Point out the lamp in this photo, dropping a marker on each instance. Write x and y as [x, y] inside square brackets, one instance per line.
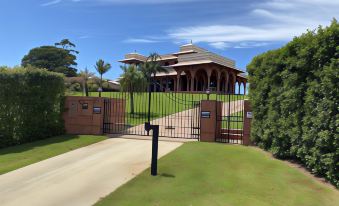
[208, 92]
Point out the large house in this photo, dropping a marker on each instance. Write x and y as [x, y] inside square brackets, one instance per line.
[195, 69]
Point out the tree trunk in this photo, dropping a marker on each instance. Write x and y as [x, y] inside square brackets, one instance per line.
[86, 89]
[100, 85]
[132, 102]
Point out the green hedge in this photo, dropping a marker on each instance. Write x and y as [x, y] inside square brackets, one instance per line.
[295, 94]
[30, 105]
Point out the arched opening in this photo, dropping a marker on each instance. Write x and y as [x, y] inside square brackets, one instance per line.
[214, 81]
[201, 80]
[242, 88]
[170, 85]
[237, 87]
[183, 83]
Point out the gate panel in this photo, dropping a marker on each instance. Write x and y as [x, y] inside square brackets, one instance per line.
[230, 119]
[176, 113]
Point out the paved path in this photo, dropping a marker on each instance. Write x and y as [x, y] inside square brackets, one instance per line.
[181, 123]
[80, 177]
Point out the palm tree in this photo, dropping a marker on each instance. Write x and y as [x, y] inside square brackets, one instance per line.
[86, 75]
[132, 80]
[102, 68]
[152, 66]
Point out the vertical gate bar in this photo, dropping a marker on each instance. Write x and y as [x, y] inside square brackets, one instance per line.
[149, 103]
[180, 113]
[228, 117]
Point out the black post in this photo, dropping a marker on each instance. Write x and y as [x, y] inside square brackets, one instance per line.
[155, 138]
[149, 103]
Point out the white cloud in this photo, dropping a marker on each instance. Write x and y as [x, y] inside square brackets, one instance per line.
[50, 3]
[220, 45]
[136, 40]
[139, 1]
[84, 37]
[275, 21]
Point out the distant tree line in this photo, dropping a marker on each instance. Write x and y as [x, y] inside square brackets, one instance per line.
[294, 93]
[61, 58]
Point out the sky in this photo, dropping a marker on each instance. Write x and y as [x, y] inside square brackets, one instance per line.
[108, 29]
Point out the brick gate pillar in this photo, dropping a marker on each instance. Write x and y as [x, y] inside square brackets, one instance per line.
[247, 122]
[209, 126]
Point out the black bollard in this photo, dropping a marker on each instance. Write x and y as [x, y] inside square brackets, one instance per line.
[155, 139]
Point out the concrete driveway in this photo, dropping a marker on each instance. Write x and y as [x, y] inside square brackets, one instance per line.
[80, 177]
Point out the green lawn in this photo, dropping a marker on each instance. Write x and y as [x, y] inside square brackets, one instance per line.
[218, 174]
[162, 104]
[15, 157]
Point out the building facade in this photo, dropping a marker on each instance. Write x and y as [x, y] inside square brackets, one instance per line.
[194, 69]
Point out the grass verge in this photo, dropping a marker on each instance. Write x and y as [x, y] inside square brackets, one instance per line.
[15, 157]
[218, 174]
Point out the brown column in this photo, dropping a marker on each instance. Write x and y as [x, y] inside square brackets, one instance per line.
[187, 83]
[178, 82]
[209, 73]
[233, 83]
[192, 80]
[244, 88]
[226, 82]
[218, 82]
[174, 84]
[166, 84]
[247, 123]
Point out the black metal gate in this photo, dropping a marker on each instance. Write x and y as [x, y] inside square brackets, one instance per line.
[176, 113]
[230, 120]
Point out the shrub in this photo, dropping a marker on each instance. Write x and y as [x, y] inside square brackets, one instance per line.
[30, 105]
[294, 92]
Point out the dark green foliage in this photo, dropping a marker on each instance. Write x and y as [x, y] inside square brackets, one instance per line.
[30, 105]
[295, 93]
[53, 59]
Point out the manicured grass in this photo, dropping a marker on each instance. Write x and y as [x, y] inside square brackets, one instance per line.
[162, 104]
[218, 174]
[12, 158]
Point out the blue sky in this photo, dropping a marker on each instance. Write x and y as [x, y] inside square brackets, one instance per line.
[107, 29]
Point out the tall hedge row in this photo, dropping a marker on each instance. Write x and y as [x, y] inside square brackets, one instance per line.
[294, 93]
[30, 105]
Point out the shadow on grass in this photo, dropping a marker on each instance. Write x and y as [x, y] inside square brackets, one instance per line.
[167, 175]
[39, 143]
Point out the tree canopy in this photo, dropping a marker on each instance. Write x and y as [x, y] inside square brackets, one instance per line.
[52, 58]
[132, 80]
[152, 66]
[102, 67]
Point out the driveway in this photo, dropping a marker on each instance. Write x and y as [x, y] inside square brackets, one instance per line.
[80, 177]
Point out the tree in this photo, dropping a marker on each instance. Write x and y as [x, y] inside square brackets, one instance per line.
[132, 80]
[51, 58]
[152, 66]
[102, 68]
[67, 45]
[86, 74]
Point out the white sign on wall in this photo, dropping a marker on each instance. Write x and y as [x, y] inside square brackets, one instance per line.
[249, 115]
